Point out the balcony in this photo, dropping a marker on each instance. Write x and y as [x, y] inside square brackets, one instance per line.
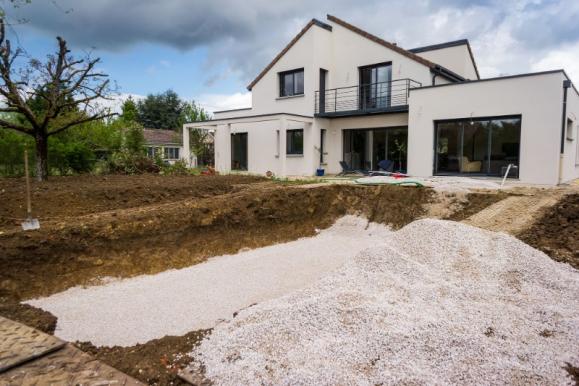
[365, 99]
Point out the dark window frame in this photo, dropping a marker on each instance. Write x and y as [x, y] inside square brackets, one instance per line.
[291, 148]
[436, 122]
[281, 82]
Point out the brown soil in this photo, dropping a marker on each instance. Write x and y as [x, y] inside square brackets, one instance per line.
[32, 316]
[156, 362]
[62, 197]
[155, 238]
[557, 232]
[475, 202]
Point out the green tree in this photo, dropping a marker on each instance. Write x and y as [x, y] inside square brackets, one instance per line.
[192, 112]
[200, 141]
[51, 96]
[161, 111]
[130, 112]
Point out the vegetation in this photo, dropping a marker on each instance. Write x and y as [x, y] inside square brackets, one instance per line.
[50, 97]
[52, 106]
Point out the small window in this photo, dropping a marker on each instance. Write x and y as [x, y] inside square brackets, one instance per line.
[150, 152]
[295, 142]
[171, 153]
[291, 83]
[569, 130]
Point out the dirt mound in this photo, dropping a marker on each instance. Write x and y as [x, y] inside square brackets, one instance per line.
[438, 303]
[156, 362]
[557, 232]
[61, 197]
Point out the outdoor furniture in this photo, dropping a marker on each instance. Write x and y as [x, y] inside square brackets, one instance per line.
[467, 166]
[346, 170]
[386, 165]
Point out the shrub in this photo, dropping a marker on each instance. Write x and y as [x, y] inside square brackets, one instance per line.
[125, 162]
[179, 168]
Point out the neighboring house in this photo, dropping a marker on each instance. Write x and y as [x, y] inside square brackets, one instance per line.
[337, 93]
[166, 144]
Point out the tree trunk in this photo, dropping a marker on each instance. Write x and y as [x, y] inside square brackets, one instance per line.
[41, 157]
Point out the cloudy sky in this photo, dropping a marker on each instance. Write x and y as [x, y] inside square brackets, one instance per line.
[209, 50]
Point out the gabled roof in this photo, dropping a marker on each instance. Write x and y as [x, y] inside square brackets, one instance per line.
[382, 42]
[439, 46]
[433, 66]
[286, 48]
[453, 43]
[161, 137]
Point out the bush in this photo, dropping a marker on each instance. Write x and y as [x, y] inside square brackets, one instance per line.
[70, 157]
[179, 168]
[125, 162]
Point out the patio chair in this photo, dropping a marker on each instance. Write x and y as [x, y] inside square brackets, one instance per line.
[346, 170]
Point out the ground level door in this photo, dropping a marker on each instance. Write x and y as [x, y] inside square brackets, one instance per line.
[239, 151]
[365, 148]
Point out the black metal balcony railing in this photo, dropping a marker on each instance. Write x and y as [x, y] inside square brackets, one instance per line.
[365, 98]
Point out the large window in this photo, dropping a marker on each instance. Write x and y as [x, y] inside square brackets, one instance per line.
[478, 146]
[295, 142]
[291, 83]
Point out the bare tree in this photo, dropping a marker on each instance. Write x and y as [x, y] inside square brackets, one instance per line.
[51, 96]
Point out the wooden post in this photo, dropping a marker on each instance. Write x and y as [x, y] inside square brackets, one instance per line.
[28, 198]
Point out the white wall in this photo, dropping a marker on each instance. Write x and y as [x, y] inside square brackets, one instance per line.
[537, 98]
[570, 162]
[456, 59]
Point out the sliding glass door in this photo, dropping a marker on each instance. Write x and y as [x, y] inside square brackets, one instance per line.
[478, 146]
[365, 148]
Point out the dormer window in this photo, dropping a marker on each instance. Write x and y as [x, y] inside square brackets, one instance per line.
[291, 83]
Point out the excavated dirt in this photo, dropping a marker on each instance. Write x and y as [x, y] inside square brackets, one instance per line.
[62, 197]
[123, 226]
[27, 314]
[557, 232]
[156, 362]
[151, 239]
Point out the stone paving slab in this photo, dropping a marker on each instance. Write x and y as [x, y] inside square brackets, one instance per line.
[20, 343]
[67, 366]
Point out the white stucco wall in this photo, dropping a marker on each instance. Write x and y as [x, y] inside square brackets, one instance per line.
[570, 160]
[537, 98]
[456, 59]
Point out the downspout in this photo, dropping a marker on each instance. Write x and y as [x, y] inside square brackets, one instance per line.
[434, 75]
[566, 85]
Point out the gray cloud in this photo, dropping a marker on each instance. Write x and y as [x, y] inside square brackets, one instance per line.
[507, 36]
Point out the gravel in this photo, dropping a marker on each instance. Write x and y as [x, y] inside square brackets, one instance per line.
[136, 310]
[442, 184]
[437, 302]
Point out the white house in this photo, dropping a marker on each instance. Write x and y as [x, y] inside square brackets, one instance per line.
[166, 144]
[336, 94]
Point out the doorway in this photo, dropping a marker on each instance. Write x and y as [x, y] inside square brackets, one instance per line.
[365, 148]
[375, 86]
[239, 151]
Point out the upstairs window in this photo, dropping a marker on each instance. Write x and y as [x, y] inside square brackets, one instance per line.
[295, 142]
[291, 83]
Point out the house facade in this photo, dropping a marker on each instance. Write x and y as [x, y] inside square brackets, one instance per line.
[166, 144]
[337, 95]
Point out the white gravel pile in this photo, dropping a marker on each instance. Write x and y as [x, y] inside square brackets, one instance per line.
[439, 302]
[136, 310]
